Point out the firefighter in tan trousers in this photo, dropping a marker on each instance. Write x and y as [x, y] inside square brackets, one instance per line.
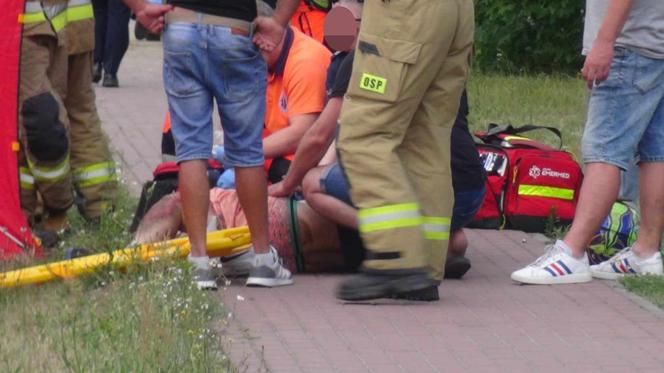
[43, 123]
[410, 67]
[55, 96]
[93, 169]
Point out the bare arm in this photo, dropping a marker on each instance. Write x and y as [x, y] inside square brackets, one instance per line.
[269, 30]
[312, 147]
[285, 141]
[151, 16]
[598, 63]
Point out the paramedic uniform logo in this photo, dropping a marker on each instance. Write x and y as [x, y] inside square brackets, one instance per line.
[535, 172]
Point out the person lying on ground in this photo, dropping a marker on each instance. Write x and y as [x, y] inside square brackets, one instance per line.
[305, 240]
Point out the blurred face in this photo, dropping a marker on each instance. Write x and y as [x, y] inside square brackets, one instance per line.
[342, 24]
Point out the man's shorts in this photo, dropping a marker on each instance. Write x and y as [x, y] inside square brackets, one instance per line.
[203, 63]
[333, 182]
[626, 113]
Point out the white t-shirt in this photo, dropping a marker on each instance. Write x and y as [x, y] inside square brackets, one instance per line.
[643, 31]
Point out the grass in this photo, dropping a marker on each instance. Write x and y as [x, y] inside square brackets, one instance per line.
[651, 287]
[147, 318]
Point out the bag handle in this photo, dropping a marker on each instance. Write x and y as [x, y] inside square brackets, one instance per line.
[495, 129]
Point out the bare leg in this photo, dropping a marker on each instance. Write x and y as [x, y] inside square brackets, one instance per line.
[330, 207]
[252, 191]
[458, 244]
[598, 193]
[162, 221]
[652, 209]
[195, 199]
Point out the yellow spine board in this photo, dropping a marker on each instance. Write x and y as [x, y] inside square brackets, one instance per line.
[220, 243]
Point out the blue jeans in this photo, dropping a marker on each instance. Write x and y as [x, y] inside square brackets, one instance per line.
[205, 62]
[626, 113]
[333, 182]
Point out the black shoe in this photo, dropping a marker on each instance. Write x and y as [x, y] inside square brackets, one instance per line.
[456, 267]
[373, 284]
[110, 80]
[48, 238]
[429, 294]
[76, 252]
[96, 72]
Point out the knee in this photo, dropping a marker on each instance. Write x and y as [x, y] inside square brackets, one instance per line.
[46, 134]
[311, 184]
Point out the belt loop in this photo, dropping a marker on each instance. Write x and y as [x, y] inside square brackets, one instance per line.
[199, 16]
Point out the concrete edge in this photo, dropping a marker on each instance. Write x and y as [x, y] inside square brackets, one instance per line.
[638, 299]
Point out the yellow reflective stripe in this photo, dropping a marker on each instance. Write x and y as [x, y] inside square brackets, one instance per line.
[28, 18]
[26, 178]
[94, 174]
[546, 191]
[54, 173]
[388, 209]
[79, 13]
[436, 227]
[390, 224]
[389, 217]
[59, 22]
[439, 236]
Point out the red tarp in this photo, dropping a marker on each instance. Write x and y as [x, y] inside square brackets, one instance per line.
[13, 225]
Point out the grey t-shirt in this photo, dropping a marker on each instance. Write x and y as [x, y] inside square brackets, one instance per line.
[643, 31]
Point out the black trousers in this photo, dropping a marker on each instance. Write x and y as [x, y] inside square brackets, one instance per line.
[111, 33]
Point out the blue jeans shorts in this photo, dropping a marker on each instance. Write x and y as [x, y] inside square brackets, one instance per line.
[466, 202]
[206, 63]
[626, 113]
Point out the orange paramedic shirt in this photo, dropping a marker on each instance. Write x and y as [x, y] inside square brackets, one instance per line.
[310, 21]
[297, 84]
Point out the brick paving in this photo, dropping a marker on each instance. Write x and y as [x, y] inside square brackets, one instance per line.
[483, 322]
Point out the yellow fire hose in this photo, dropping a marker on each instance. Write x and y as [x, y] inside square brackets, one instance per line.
[220, 243]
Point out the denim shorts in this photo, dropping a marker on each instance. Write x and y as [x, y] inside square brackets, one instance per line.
[626, 113]
[206, 63]
[466, 202]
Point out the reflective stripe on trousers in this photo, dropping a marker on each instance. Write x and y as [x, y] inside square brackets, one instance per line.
[58, 14]
[52, 173]
[94, 174]
[26, 179]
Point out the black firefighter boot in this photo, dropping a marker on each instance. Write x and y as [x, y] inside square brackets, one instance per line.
[410, 284]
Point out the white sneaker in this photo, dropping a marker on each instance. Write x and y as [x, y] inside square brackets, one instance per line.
[269, 272]
[626, 262]
[554, 267]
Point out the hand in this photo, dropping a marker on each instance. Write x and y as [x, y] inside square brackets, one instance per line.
[268, 34]
[279, 190]
[598, 63]
[151, 16]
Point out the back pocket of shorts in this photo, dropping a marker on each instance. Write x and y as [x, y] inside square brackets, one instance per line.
[243, 70]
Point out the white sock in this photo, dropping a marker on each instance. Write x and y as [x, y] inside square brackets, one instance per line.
[200, 262]
[566, 249]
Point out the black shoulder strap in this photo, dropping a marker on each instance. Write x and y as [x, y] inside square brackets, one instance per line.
[495, 129]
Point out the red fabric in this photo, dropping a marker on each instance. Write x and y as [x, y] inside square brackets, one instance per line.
[11, 217]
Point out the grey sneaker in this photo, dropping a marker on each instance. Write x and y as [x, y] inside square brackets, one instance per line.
[271, 274]
[238, 264]
[204, 279]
